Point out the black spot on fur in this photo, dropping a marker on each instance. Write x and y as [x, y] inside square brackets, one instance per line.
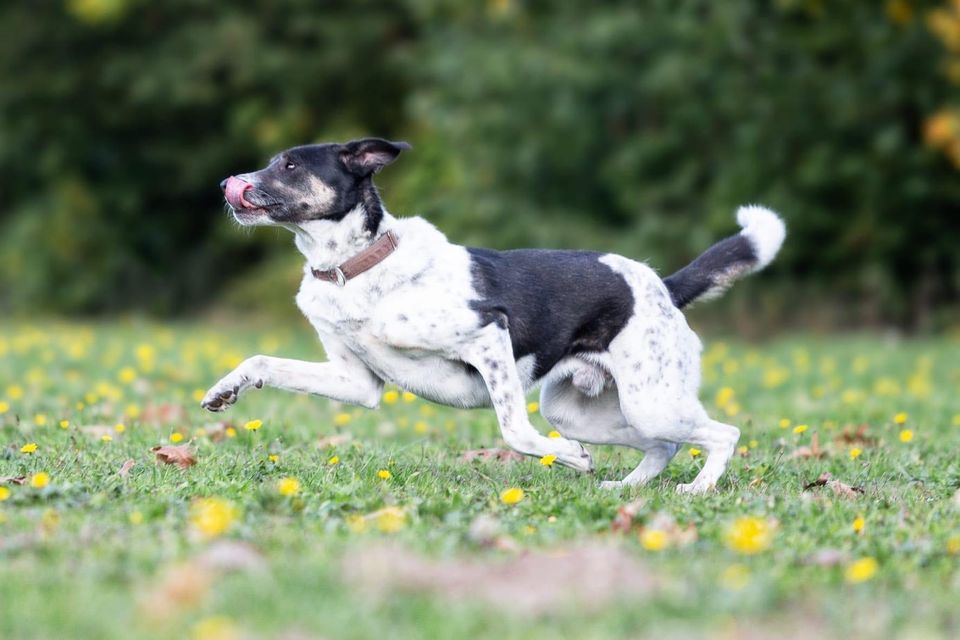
[698, 277]
[555, 303]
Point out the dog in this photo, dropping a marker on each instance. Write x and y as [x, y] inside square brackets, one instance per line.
[393, 300]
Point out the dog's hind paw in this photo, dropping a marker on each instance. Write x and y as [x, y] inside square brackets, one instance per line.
[610, 485]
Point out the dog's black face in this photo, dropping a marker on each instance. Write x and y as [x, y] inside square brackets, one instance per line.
[313, 182]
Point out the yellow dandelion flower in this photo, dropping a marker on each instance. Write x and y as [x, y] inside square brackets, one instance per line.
[333, 460]
[953, 545]
[533, 407]
[253, 425]
[212, 517]
[341, 419]
[906, 435]
[106, 438]
[785, 423]
[408, 397]
[28, 448]
[132, 411]
[135, 517]
[40, 419]
[231, 432]
[694, 452]
[127, 375]
[288, 487]
[861, 570]
[513, 495]
[858, 524]
[216, 628]
[554, 435]
[383, 474]
[743, 450]
[389, 519]
[198, 395]
[14, 392]
[749, 535]
[800, 428]
[64, 424]
[548, 460]
[901, 418]
[955, 421]
[753, 444]
[724, 397]
[274, 458]
[420, 426]
[4, 493]
[391, 397]
[176, 437]
[80, 406]
[855, 453]
[4, 406]
[39, 480]
[654, 539]
[119, 427]
[735, 577]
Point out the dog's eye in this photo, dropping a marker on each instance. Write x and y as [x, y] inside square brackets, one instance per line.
[289, 166]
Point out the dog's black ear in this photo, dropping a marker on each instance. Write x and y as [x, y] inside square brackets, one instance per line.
[368, 155]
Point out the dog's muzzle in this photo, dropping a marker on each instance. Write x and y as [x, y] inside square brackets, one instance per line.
[233, 190]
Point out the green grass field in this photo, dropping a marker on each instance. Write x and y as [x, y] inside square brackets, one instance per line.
[274, 533]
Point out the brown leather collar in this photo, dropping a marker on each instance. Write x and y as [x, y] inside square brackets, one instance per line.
[366, 259]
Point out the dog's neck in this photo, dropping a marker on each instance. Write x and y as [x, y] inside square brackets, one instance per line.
[329, 243]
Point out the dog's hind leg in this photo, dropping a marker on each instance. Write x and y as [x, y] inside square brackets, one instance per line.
[719, 440]
[491, 354]
[655, 459]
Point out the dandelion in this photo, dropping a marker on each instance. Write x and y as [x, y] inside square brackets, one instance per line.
[253, 425]
[40, 419]
[861, 570]
[408, 397]
[119, 427]
[132, 411]
[735, 577]
[391, 397]
[955, 421]
[106, 438]
[513, 495]
[383, 474]
[4, 406]
[858, 524]
[39, 480]
[654, 539]
[554, 435]
[743, 450]
[724, 397]
[906, 435]
[749, 535]
[288, 487]
[231, 432]
[785, 423]
[341, 419]
[753, 444]
[212, 517]
[420, 426]
[28, 448]
[274, 458]
[197, 395]
[694, 452]
[533, 407]
[127, 375]
[855, 453]
[176, 437]
[953, 545]
[333, 460]
[900, 418]
[4, 493]
[215, 628]
[389, 519]
[135, 518]
[14, 392]
[548, 460]
[800, 428]
[64, 424]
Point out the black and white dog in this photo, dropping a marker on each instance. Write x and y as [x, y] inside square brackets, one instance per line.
[393, 300]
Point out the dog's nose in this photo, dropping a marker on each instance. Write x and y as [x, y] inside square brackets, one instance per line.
[223, 184]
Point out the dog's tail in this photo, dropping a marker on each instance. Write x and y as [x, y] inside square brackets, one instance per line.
[732, 258]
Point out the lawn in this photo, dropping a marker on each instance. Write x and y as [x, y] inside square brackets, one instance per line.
[302, 518]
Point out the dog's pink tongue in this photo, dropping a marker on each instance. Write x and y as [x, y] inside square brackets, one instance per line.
[234, 191]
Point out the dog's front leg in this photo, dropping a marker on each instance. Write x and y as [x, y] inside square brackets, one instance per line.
[344, 378]
[491, 354]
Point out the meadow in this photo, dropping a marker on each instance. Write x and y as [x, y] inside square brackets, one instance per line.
[127, 511]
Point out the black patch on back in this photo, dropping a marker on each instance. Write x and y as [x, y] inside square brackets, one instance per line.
[699, 276]
[555, 303]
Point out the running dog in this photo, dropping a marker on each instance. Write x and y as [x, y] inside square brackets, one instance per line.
[394, 301]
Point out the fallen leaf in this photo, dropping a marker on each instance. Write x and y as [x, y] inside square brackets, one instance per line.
[334, 440]
[125, 469]
[839, 488]
[13, 479]
[216, 431]
[623, 521]
[849, 437]
[500, 455]
[813, 451]
[179, 455]
[163, 412]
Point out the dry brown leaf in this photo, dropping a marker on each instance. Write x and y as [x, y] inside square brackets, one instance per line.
[499, 455]
[588, 576]
[813, 451]
[839, 488]
[334, 440]
[216, 431]
[13, 479]
[859, 438]
[164, 412]
[125, 469]
[623, 521]
[179, 454]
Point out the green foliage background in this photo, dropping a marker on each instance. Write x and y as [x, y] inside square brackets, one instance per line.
[632, 127]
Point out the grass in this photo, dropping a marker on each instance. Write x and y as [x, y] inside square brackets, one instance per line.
[96, 555]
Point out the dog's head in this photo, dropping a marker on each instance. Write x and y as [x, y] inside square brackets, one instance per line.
[313, 182]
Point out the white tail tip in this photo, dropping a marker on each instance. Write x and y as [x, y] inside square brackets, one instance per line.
[765, 230]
